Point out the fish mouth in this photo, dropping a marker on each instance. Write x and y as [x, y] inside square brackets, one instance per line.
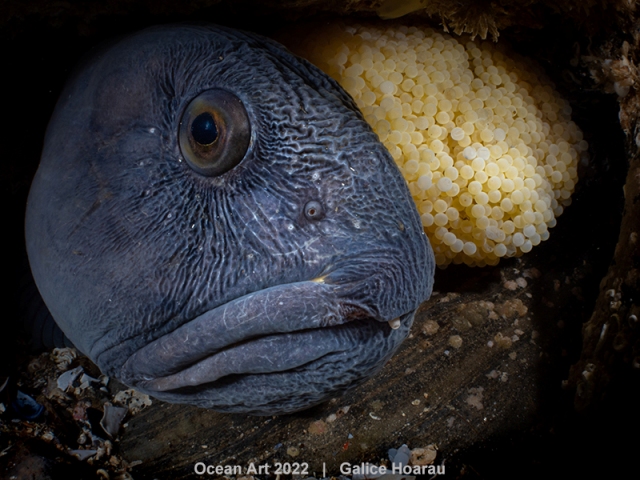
[272, 341]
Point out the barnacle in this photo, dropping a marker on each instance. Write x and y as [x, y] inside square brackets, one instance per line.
[484, 141]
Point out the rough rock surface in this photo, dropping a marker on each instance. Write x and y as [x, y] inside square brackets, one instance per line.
[610, 358]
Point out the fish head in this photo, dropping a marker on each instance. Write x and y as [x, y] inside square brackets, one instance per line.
[214, 223]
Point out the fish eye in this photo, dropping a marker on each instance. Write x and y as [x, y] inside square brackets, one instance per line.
[214, 132]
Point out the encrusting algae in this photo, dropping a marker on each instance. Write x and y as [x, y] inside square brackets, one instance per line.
[485, 143]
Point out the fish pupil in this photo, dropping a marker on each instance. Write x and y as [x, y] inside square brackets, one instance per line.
[204, 130]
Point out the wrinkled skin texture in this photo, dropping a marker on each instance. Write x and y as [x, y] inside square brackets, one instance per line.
[219, 291]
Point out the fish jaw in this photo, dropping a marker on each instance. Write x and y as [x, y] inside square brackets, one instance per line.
[268, 352]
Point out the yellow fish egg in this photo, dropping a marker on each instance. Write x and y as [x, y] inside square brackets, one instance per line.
[482, 135]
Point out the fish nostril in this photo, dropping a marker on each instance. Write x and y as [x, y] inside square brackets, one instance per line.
[313, 210]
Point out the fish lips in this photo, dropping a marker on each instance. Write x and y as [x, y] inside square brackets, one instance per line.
[276, 350]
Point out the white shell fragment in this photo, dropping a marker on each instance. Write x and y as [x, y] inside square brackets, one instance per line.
[112, 419]
[82, 454]
[86, 380]
[67, 378]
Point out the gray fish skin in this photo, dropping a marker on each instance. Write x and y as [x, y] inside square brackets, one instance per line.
[219, 291]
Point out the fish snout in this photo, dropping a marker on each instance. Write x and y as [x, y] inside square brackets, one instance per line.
[384, 274]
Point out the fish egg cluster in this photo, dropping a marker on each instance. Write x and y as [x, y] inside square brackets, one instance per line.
[485, 143]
